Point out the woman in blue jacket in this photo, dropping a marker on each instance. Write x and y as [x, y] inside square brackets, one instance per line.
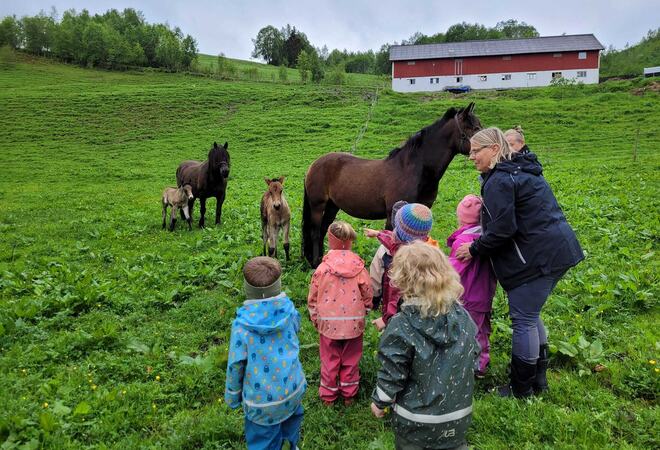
[530, 244]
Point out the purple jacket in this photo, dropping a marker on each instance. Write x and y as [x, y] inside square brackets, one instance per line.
[477, 276]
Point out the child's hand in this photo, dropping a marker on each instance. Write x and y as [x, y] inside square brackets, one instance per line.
[379, 323]
[377, 412]
[368, 232]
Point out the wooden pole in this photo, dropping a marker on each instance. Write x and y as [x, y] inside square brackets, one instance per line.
[636, 144]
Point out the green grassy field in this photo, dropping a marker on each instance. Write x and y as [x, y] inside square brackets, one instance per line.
[267, 73]
[113, 333]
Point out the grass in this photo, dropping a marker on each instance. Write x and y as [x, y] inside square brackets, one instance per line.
[113, 333]
[268, 73]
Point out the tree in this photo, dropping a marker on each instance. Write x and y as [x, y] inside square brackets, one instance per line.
[269, 45]
[512, 29]
[189, 51]
[294, 42]
[382, 64]
[168, 50]
[94, 44]
[10, 32]
[304, 65]
[38, 33]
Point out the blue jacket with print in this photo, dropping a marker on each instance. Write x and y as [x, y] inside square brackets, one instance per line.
[263, 370]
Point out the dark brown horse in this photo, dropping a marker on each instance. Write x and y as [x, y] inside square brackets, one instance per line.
[367, 189]
[208, 179]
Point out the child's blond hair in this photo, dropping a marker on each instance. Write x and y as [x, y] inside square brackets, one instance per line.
[424, 275]
[342, 231]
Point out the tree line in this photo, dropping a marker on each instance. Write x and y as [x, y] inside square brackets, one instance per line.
[290, 47]
[112, 40]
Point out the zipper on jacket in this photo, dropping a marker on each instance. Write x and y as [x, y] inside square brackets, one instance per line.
[515, 244]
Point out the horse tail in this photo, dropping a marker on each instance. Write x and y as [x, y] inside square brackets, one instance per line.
[306, 248]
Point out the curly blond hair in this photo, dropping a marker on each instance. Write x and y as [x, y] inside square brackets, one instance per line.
[424, 276]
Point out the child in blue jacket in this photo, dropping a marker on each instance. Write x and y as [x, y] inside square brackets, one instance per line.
[263, 370]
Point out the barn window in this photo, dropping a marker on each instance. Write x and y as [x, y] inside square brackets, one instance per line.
[531, 76]
[411, 63]
[506, 58]
[437, 80]
[431, 80]
[506, 76]
[459, 79]
[411, 80]
[483, 78]
[582, 55]
[582, 74]
[556, 55]
[556, 75]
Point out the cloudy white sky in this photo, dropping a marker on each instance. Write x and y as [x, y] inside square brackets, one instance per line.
[229, 26]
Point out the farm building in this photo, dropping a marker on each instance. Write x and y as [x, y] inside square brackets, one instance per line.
[495, 64]
[652, 71]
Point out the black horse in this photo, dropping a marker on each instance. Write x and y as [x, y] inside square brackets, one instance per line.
[208, 179]
[367, 189]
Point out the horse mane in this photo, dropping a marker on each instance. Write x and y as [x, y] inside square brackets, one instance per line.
[416, 140]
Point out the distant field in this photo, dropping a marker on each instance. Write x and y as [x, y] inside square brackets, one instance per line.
[271, 73]
[113, 333]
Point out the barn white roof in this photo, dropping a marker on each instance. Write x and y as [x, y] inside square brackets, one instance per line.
[547, 44]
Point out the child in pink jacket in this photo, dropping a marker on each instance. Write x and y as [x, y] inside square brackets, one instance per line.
[477, 276]
[340, 297]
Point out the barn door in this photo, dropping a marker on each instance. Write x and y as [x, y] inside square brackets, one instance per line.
[458, 67]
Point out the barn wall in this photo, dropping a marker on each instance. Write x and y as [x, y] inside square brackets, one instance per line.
[495, 64]
[493, 81]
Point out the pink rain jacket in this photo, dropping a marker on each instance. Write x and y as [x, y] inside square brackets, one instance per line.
[340, 295]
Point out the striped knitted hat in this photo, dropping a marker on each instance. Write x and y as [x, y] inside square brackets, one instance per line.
[413, 222]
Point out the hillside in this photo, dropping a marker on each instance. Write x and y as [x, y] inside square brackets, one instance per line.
[113, 333]
[632, 60]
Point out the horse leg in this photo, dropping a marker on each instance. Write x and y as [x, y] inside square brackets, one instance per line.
[173, 218]
[187, 216]
[329, 214]
[202, 211]
[286, 239]
[272, 240]
[164, 215]
[264, 235]
[219, 200]
[316, 217]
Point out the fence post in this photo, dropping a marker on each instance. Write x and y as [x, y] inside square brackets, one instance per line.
[636, 144]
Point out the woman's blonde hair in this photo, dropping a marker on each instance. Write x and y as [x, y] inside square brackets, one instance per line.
[424, 276]
[492, 136]
[342, 231]
[516, 132]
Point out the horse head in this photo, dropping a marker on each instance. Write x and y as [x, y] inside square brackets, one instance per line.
[466, 124]
[275, 190]
[187, 190]
[219, 160]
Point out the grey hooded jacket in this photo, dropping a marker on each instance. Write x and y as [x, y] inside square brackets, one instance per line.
[427, 375]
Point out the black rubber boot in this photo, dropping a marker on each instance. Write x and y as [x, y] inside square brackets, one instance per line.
[541, 381]
[522, 379]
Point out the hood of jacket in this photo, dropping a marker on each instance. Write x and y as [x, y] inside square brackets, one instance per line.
[266, 316]
[525, 162]
[343, 263]
[472, 229]
[444, 329]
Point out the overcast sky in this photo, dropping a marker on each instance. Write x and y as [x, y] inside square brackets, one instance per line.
[229, 26]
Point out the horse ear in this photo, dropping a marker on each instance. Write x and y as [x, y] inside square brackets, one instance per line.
[470, 108]
[267, 180]
[226, 145]
[215, 145]
[281, 180]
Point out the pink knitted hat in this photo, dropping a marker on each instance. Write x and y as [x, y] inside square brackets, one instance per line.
[469, 210]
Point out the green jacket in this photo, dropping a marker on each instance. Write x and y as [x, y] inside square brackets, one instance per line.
[427, 375]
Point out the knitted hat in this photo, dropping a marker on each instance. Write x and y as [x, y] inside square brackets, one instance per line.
[412, 222]
[469, 210]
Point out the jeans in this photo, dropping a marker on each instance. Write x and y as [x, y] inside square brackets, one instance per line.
[525, 303]
[272, 437]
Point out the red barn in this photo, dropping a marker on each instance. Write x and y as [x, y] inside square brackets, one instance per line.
[495, 64]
